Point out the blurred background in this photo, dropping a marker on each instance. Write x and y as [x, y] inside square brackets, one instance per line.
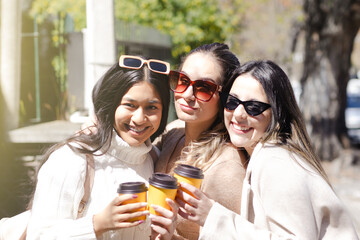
[52, 52]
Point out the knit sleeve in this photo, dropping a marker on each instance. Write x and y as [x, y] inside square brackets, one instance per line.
[289, 201]
[59, 190]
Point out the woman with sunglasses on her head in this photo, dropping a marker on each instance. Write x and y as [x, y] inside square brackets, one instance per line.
[131, 105]
[197, 138]
[286, 193]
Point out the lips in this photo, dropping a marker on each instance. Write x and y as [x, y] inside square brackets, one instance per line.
[240, 129]
[186, 108]
[136, 130]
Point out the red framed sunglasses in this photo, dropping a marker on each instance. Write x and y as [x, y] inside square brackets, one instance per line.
[203, 90]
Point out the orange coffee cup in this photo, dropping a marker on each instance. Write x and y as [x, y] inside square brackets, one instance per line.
[161, 186]
[137, 188]
[189, 174]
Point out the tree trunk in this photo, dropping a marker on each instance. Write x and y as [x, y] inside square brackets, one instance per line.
[330, 30]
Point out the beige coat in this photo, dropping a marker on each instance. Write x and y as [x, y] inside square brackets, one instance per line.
[282, 199]
[222, 181]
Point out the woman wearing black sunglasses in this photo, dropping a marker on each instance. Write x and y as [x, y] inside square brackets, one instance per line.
[198, 137]
[286, 193]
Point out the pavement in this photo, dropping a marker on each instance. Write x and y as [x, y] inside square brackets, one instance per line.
[344, 175]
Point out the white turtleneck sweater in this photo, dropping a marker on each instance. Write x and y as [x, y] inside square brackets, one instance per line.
[60, 188]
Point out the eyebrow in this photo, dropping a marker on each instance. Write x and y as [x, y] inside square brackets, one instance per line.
[151, 101]
[252, 99]
[204, 78]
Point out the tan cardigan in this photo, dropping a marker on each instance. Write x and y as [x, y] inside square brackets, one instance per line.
[222, 181]
[283, 198]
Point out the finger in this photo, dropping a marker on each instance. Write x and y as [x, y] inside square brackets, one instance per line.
[128, 224]
[180, 198]
[161, 221]
[185, 208]
[195, 191]
[127, 217]
[184, 214]
[159, 229]
[130, 215]
[163, 211]
[174, 207]
[121, 198]
[131, 207]
[187, 198]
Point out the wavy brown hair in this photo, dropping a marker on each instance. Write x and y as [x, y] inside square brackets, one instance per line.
[203, 151]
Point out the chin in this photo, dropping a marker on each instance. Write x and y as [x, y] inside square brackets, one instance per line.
[238, 142]
[135, 143]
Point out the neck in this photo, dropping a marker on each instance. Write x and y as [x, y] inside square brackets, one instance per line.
[194, 130]
[249, 150]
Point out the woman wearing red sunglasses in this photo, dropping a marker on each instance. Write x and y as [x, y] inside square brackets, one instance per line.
[198, 137]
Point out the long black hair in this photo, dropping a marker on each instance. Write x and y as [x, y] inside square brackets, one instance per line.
[287, 128]
[107, 94]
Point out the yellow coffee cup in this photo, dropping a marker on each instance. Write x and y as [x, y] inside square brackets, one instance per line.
[161, 186]
[137, 188]
[189, 174]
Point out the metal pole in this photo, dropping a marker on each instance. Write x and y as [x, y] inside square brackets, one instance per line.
[37, 74]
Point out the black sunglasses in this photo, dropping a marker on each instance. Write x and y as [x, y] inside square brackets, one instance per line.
[203, 90]
[253, 108]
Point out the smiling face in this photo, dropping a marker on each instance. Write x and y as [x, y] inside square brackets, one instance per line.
[188, 108]
[139, 113]
[245, 130]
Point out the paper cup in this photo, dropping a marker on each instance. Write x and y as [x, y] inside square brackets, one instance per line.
[189, 174]
[161, 186]
[137, 188]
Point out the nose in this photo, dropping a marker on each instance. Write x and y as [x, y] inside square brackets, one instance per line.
[189, 93]
[239, 112]
[139, 116]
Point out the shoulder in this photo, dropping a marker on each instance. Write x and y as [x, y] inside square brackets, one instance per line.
[229, 163]
[175, 129]
[176, 124]
[173, 132]
[64, 161]
[228, 156]
[281, 169]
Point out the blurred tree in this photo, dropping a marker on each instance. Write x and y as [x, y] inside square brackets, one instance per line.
[190, 23]
[60, 12]
[330, 28]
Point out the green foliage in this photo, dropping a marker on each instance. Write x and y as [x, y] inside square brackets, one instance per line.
[190, 23]
[60, 12]
[76, 9]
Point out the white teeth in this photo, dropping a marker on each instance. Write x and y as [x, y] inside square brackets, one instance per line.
[240, 128]
[136, 129]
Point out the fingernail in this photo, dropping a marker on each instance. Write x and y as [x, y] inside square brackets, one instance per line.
[134, 196]
[140, 221]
